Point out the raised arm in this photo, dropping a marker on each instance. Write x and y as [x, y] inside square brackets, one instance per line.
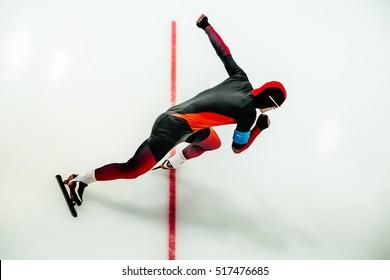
[219, 45]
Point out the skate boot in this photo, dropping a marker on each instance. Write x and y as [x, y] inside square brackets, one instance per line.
[76, 189]
[172, 162]
[166, 164]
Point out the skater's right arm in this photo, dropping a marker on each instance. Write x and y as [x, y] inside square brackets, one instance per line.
[263, 122]
[219, 45]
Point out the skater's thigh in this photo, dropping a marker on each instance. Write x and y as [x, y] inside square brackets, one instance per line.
[160, 147]
[198, 136]
[167, 132]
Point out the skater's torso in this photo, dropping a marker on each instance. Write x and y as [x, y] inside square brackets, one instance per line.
[229, 102]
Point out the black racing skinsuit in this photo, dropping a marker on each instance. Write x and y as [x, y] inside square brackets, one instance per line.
[229, 102]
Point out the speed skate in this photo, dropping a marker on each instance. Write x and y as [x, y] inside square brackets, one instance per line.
[66, 195]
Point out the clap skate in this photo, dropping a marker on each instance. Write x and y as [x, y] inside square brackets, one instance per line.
[66, 195]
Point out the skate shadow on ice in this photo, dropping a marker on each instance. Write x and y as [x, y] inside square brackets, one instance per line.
[254, 221]
[202, 208]
[125, 206]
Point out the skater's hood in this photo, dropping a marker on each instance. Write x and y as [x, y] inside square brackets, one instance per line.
[269, 94]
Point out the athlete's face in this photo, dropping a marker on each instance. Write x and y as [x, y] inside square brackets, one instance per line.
[267, 109]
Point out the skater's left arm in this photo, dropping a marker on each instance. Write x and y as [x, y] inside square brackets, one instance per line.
[242, 140]
[219, 46]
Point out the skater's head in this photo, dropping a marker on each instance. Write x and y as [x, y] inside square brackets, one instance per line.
[270, 96]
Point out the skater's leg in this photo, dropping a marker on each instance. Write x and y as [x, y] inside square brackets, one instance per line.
[200, 142]
[147, 155]
[166, 134]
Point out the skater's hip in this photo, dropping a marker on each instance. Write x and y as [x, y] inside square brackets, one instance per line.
[171, 128]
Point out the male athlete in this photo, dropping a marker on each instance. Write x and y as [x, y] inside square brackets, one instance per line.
[234, 101]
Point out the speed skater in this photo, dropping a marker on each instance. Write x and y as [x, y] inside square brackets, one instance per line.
[234, 101]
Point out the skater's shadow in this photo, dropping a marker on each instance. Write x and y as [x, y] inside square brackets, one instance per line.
[260, 224]
[125, 207]
[203, 208]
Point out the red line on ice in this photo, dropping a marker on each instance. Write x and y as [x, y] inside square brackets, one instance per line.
[172, 173]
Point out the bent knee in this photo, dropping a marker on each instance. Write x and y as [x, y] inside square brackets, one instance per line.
[214, 141]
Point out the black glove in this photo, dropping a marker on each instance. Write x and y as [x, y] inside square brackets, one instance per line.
[262, 122]
[203, 23]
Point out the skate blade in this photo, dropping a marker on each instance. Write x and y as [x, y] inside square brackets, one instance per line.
[71, 204]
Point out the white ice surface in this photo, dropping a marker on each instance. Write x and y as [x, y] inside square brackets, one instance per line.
[81, 83]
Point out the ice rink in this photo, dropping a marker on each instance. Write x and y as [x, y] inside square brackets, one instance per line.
[81, 83]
